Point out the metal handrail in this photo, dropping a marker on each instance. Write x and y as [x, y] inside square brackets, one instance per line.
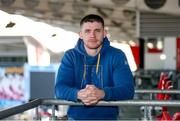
[19, 109]
[116, 103]
[35, 103]
[172, 91]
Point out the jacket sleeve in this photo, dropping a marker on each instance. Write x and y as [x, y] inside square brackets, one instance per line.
[64, 88]
[123, 83]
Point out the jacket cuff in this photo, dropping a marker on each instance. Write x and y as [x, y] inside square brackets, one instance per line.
[75, 95]
[107, 94]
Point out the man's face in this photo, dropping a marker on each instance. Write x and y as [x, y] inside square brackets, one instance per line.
[92, 34]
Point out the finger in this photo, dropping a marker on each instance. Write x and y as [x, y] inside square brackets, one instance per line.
[82, 94]
[82, 90]
[91, 87]
[91, 102]
[90, 99]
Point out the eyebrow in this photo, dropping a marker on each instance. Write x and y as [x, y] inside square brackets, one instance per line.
[94, 29]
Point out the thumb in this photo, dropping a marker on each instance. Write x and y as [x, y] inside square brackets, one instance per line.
[88, 86]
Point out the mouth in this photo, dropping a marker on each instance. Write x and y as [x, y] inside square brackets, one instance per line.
[92, 40]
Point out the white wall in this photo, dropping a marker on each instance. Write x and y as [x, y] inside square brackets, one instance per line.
[170, 52]
[153, 61]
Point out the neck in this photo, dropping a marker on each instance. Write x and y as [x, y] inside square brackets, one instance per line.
[93, 52]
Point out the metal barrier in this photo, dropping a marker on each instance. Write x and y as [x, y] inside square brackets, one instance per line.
[172, 103]
[37, 102]
[19, 109]
[154, 91]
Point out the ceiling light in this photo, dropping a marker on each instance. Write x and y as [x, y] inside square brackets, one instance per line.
[162, 56]
[150, 45]
[159, 44]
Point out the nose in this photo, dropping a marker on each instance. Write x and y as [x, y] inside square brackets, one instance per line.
[92, 34]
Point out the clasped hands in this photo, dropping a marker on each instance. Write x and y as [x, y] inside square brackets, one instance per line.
[90, 95]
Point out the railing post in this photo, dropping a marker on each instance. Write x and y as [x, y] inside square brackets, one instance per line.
[38, 117]
[53, 116]
[150, 108]
[145, 118]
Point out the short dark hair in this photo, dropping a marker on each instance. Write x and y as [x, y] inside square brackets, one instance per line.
[92, 18]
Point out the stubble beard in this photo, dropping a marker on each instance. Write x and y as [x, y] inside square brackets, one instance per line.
[93, 48]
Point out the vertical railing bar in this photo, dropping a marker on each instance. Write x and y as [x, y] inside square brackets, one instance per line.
[38, 116]
[150, 108]
[53, 116]
[145, 113]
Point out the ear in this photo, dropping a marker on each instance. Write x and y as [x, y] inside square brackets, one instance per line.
[80, 35]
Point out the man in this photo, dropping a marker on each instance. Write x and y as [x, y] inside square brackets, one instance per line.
[94, 71]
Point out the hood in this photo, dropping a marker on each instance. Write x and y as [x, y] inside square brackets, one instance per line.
[80, 46]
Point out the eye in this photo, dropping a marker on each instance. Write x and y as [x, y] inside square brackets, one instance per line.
[98, 30]
[87, 31]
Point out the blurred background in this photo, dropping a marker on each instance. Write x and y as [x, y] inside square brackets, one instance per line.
[34, 34]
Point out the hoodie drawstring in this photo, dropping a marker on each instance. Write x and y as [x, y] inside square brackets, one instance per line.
[97, 64]
[97, 67]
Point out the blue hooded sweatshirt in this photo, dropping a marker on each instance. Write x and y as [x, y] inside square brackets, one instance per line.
[113, 76]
